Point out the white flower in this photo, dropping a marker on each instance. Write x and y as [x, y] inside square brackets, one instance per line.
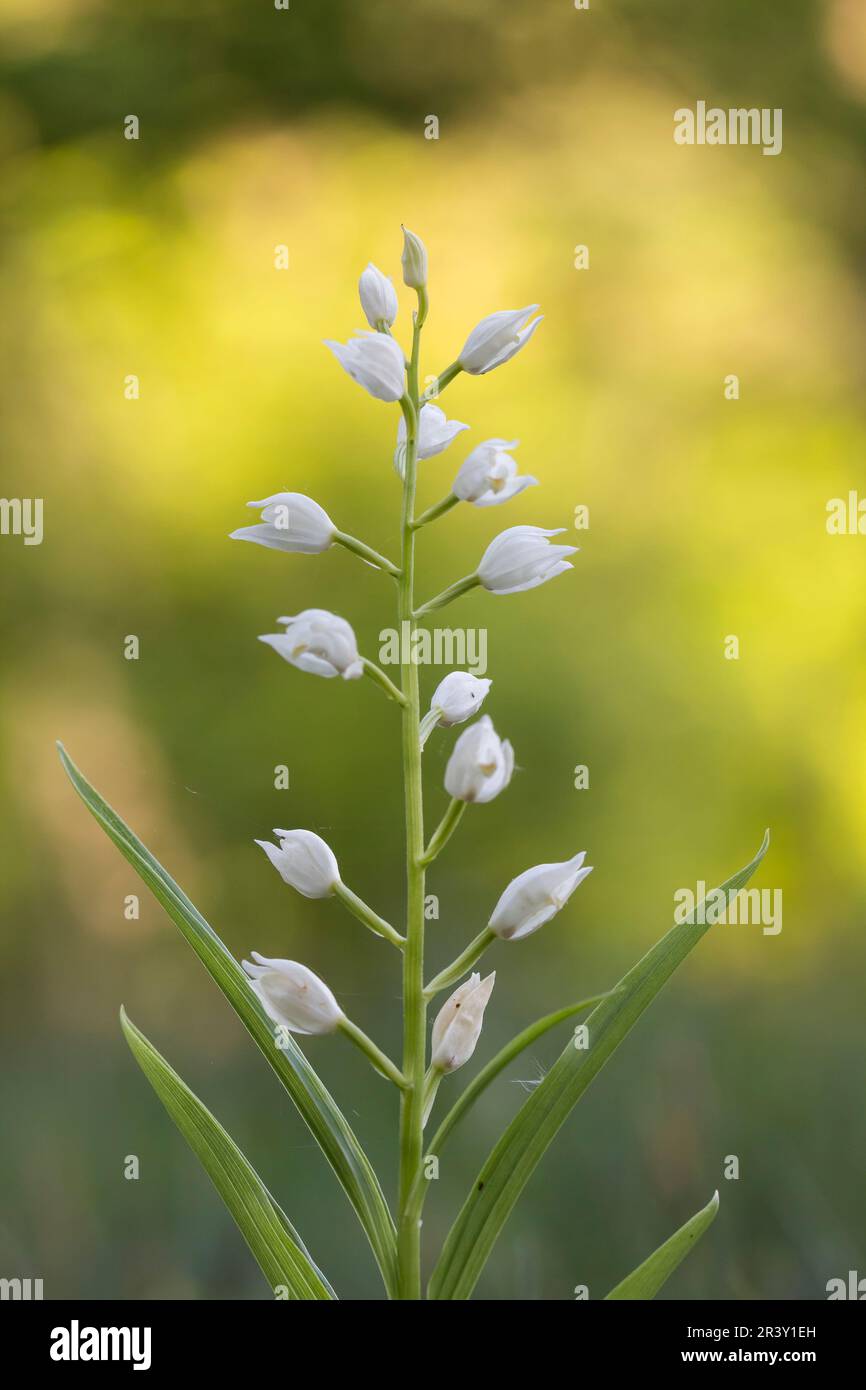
[489, 475]
[375, 361]
[293, 996]
[290, 521]
[319, 642]
[304, 861]
[522, 558]
[480, 765]
[458, 697]
[535, 896]
[378, 297]
[435, 433]
[497, 338]
[414, 261]
[458, 1023]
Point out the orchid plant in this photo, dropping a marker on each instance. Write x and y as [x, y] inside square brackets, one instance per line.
[279, 999]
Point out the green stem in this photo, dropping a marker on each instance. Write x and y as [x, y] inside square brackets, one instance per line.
[438, 510]
[378, 675]
[464, 962]
[366, 552]
[383, 1064]
[444, 830]
[414, 1002]
[365, 914]
[448, 595]
[443, 379]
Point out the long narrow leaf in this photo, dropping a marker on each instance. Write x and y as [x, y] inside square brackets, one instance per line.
[320, 1112]
[514, 1158]
[645, 1281]
[489, 1073]
[282, 1255]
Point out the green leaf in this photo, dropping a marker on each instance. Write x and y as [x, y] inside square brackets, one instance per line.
[282, 1255]
[647, 1279]
[514, 1158]
[318, 1109]
[498, 1063]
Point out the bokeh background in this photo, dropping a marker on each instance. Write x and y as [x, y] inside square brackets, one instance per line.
[707, 518]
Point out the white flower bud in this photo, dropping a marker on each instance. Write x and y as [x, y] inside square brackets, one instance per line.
[292, 996]
[535, 896]
[522, 558]
[481, 764]
[290, 521]
[304, 861]
[458, 697]
[435, 433]
[378, 297]
[458, 1023]
[414, 261]
[375, 361]
[489, 475]
[497, 338]
[319, 642]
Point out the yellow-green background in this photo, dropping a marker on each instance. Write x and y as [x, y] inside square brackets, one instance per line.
[305, 127]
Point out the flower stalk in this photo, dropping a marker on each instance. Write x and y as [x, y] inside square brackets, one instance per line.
[365, 914]
[380, 1061]
[465, 961]
[443, 379]
[412, 1105]
[377, 675]
[480, 764]
[439, 509]
[366, 552]
[444, 830]
[461, 586]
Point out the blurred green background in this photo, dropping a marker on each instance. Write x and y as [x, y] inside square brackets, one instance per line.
[155, 257]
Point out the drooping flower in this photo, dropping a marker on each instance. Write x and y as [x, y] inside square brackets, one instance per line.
[522, 558]
[458, 1023]
[458, 697]
[414, 261]
[292, 996]
[290, 521]
[318, 642]
[535, 896]
[378, 297]
[304, 861]
[480, 765]
[375, 361]
[489, 475]
[497, 338]
[435, 433]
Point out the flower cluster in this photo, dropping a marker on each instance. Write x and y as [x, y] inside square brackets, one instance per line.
[481, 764]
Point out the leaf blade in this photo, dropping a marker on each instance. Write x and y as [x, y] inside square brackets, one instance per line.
[514, 1158]
[315, 1104]
[645, 1281]
[507, 1054]
[281, 1254]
